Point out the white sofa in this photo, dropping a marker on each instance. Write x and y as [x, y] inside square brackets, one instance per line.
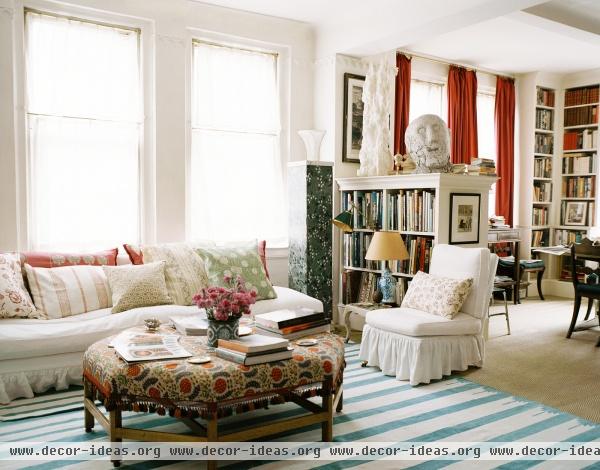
[36, 355]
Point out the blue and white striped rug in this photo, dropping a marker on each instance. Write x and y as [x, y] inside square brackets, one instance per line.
[376, 408]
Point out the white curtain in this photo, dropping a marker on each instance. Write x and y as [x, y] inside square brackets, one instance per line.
[426, 98]
[486, 141]
[84, 127]
[236, 182]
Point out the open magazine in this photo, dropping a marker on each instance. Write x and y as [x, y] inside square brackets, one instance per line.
[135, 346]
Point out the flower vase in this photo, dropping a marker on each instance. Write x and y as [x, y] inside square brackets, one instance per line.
[221, 330]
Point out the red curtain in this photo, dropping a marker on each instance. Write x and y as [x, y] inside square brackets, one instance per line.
[462, 114]
[504, 120]
[402, 102]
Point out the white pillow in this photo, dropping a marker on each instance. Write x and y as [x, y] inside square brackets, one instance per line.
[441, 296]
[68, 290]
[14, 298]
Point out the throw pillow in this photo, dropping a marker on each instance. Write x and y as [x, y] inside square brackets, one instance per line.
[137, 286]
[68, 290]
[184, 270]
[14, 298]
[54, 260]
[233, 261]
[438, 295]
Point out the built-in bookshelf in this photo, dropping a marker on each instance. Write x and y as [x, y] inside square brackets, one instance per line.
[417, 206]
[579, 164]
[543, 154]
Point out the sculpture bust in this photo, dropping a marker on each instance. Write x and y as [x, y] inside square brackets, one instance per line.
[427, 140]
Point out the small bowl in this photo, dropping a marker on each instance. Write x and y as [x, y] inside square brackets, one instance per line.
[152, 324]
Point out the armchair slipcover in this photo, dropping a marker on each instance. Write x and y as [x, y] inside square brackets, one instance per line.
[419, 346]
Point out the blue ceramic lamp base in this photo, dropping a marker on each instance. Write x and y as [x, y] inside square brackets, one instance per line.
[387, 286]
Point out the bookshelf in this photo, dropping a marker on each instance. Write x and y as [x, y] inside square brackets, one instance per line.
[579, 164]
[416, 205]
[543, 154]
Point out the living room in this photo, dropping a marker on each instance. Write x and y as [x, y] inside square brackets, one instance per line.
[299, 225]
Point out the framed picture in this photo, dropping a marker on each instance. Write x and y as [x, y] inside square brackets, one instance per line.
[575, 213]
[353, 117]
[464, 218]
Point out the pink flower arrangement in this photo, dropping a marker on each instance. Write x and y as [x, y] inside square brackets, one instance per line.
[226, 303]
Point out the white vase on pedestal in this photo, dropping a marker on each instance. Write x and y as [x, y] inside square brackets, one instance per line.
[312, 139]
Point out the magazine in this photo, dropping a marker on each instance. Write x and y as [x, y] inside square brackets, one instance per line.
[135, 346]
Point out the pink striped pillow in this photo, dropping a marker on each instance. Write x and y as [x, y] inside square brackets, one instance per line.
[68, 290]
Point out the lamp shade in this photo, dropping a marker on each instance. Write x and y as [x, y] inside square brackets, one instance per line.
[386, 246]
[344, 221]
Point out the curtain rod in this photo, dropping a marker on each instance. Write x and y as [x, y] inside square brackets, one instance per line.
[439, 60]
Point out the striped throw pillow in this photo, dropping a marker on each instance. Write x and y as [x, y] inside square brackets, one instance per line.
[68, 290]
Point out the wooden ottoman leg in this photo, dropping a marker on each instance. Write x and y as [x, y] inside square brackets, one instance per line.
[540, 275]
[327, 426]
[212, 435]
[87, 415]
[115, 425]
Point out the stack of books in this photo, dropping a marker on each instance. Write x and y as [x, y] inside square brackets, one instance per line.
[291, 324]
[498, 222]
[482, 166]
[254, 349]
[190, 325]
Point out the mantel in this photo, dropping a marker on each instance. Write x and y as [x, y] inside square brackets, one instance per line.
[421, 180]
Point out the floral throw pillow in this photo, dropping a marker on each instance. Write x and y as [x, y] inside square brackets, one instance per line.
[137, 286]
[441, 296]
[233, 261]
[15, 301]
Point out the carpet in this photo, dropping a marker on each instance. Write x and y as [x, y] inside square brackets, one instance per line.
[45, 404]
[376, 408]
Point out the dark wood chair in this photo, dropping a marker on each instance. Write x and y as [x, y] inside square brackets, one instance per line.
[586, 250]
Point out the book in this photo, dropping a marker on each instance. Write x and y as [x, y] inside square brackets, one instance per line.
[134, 346]
[240, 358]
[255, 343]
[190, 325]
[293, 329]
[298, 334]
[288, 317]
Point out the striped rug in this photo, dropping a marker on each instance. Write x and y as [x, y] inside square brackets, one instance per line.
[376, 408]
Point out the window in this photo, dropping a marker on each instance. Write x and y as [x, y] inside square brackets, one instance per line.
[426, 98]
[486, 141]
[236, 182]
[84, 126]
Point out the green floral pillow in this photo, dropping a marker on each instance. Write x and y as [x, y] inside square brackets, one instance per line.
[231, 261]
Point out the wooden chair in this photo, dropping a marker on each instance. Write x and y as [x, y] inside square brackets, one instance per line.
[586, 250]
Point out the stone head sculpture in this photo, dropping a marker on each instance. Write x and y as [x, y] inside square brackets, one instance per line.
[427, 140]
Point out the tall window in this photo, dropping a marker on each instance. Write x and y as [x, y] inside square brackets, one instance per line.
[84, 127]
[486, 141]
[426, 98]
[236, 184]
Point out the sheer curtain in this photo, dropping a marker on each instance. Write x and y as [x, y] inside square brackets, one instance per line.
[236, 183]
[84, 129]
[486, 141]
[426, 98]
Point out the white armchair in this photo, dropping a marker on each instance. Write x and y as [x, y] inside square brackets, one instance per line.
[419, 346]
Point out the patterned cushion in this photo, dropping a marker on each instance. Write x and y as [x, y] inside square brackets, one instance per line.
[54, 260]
[14, 298]
[68, 290]
[438, 295]
[137, 286]
[242, 260]
[184, 270]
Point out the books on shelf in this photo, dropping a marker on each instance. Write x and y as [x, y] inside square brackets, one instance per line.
[411, 210]
[190, 325]
[135, 346]
[356, 245]
[351, 282]
[579, 186]
[542, 168]
[544, 119]
[539, 238]
[419, 251]
[578, 140]
[581, 116]
[482, 166]
[368, 286]
[542, 191]
[574, 163]
[579, 96]
[544, 143]
[567, 237]
[545, 97]
[370, 209]
[539, 216]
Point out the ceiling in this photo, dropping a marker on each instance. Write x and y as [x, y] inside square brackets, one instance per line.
[504, 35]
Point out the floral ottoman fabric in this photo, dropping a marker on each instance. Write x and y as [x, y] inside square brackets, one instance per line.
[177, 385]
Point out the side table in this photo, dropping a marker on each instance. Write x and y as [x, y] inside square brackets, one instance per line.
[358, 309]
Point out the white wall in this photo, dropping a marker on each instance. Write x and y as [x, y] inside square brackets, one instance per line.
[167, 29]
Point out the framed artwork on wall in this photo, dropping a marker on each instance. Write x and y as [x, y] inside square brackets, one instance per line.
[575, 213]
[464, 218]
[353, 117]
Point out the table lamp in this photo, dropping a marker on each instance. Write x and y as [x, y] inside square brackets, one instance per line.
[386, 246]
[345, 220]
